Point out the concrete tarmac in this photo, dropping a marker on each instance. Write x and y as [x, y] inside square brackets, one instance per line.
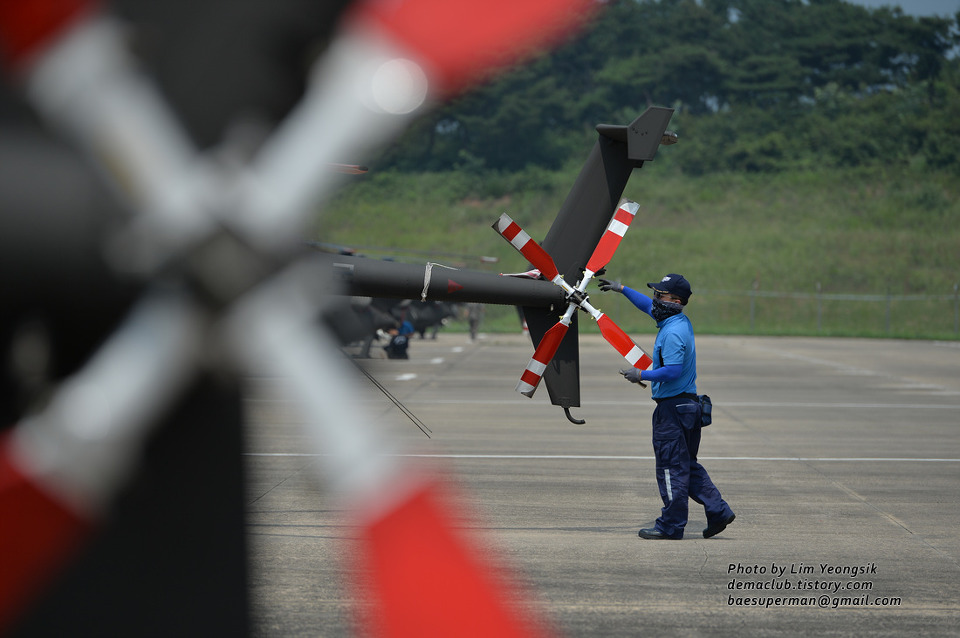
[840, 457]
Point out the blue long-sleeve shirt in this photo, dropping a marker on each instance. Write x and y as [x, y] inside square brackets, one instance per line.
[674, 369]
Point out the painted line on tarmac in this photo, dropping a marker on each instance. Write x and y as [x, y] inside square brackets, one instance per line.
[731, 404]
[651, 458]
[855, 406]
[724, 404]
[585, 457]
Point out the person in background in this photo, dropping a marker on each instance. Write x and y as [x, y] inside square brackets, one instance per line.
[474, 317]
[399, 341]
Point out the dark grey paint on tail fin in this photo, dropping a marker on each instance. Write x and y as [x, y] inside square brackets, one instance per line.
[579, 225]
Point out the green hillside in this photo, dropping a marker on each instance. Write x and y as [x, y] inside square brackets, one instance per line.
[891, 231]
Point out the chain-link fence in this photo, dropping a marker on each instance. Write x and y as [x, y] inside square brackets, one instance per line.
[770, 312]
[823, 313]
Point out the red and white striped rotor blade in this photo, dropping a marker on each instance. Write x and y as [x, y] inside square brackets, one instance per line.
[417, 572]
[623, 344]
[39, 532]
[542, 356]
[460, 43]
[38, 535]
[610, 240]
[535, 254]
[27, 28]
[425, 577]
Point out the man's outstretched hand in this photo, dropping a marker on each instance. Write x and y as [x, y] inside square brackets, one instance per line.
[607, 285]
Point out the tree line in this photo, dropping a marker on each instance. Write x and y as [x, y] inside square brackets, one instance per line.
[757, 85]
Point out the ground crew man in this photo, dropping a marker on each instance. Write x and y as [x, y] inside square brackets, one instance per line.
[676, 419]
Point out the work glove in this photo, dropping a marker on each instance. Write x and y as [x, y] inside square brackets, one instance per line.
[633, 376]
[607, 285]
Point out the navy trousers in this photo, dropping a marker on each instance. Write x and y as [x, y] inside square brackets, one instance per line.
[676, 441]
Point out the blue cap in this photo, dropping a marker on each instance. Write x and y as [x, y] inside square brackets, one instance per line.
[673, 284]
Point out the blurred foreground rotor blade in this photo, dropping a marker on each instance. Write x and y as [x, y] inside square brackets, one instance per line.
[64, 466]
[85, 82]
[28, 27]
[389, 62]
[60, 470]
[39, 533]
[427, 579]
[460, 43]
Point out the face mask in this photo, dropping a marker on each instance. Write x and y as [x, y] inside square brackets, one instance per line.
[665, 309]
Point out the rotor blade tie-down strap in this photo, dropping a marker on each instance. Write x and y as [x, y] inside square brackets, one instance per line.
[426, 277]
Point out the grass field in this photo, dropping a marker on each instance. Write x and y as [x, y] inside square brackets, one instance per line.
[757, 248]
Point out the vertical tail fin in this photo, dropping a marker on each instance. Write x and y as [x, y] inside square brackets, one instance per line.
[580, 224]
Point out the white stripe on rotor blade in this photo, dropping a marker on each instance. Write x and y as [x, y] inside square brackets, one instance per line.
[618, 228]
[536, 367]
[634, 355]
[520, 240]
[523, 387]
